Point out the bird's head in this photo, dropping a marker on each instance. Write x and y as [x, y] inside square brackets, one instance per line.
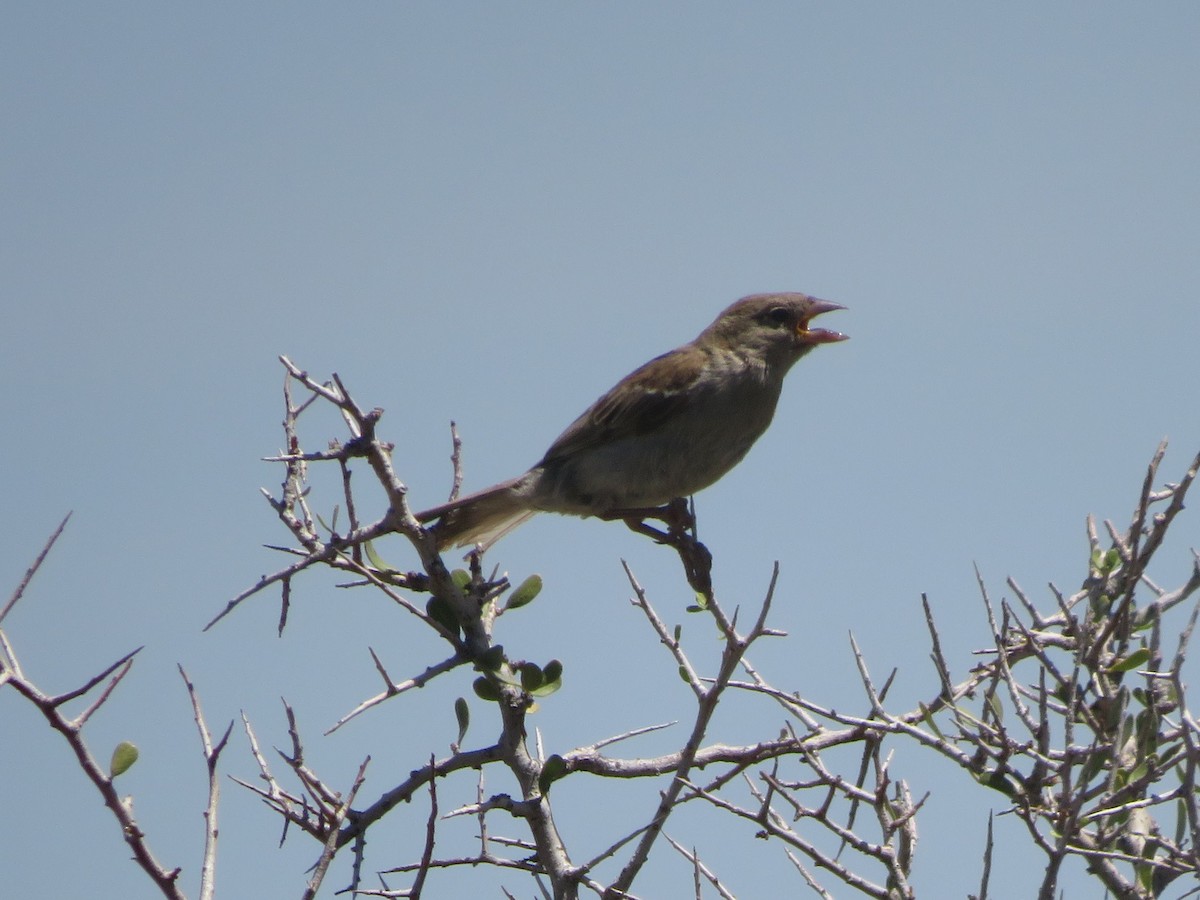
[776, 326]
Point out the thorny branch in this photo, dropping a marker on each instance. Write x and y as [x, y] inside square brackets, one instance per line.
[1076, 716]
[1085, 754]
[52, 708]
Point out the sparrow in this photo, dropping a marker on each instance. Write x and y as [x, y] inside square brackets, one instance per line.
[667, 430]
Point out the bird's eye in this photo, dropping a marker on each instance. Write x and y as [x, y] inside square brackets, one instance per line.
[779, 315]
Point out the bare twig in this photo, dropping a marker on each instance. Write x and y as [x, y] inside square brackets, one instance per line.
[331, 842]
[166, 880]
[19, 592]
[212, 755]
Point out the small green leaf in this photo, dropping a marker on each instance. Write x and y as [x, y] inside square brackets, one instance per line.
[550, 687]
[462, 712]
[1101, 605]
[461, 577]
[486, 690]
[997, 781]
[1145, 876]
[683, 673]
[701, 601]
[678, 633]
[1113, 709]
[1147, 743]
[929, 721]
[1106, 561]
[531, 676]
[492, 658]
[1126, 732]
[376, 561]
[553, 769]
[332, 529]
[439, 610]
[1169, 696]
[124, 755]
[1092, 767]
[1141, 623]
[996, 707]
[551, 679]
[507, 675]
[1132, 661]
[525, 592]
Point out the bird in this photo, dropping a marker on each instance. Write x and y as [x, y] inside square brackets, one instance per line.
[667, 430]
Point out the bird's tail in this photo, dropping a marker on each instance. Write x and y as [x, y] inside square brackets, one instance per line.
[480, 518]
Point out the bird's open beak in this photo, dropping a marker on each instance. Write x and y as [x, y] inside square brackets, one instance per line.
[807, 335]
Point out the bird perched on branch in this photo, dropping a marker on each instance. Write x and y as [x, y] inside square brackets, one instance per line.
[667, 430]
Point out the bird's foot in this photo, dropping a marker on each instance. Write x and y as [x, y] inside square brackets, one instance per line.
[679, 517]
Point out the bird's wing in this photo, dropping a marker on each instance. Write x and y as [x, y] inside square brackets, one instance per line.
[642, 402]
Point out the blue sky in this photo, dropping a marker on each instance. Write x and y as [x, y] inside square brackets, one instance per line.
[490, 213]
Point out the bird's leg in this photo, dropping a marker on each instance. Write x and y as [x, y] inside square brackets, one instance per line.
[680, 534]
[638, 524]
[697, 561]
[674, 515]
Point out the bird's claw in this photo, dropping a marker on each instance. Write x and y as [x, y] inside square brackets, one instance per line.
[680, 534]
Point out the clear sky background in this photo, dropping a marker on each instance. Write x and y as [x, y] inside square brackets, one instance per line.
[490, 213]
